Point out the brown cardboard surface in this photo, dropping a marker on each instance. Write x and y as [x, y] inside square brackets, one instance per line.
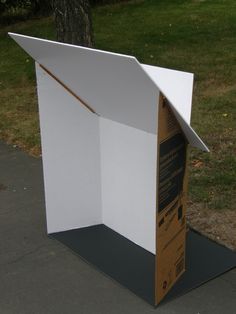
[171, 201]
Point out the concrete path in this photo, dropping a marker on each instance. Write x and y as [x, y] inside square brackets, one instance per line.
[39, 275]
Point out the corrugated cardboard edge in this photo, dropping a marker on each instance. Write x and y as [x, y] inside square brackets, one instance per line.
[68, 89]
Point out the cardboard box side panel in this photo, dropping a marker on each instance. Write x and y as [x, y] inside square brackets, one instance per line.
[71, 157]
[171, 201]
[128, 166]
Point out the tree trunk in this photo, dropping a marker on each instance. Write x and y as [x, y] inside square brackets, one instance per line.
[40, 7]
[73, 22]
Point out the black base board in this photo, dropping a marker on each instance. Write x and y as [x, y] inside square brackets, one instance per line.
[134, 267]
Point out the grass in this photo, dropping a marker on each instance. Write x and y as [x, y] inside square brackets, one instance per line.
[193, 35]
[18, 108]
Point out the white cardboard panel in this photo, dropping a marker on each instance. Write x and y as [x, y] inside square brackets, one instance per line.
[71, 158]
[114, 85]
[176, 85]
[102, 169]
[128, 167]
[189, 132]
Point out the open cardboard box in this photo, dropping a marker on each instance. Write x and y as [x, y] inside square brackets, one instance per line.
[114, 145]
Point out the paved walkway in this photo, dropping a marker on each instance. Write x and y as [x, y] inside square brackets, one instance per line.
[39, 275]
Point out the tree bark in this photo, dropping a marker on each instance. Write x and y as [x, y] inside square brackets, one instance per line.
[40, 7]
[73, 21]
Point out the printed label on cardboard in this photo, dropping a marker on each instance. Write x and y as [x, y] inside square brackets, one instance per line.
[172, 159]
[171, 201]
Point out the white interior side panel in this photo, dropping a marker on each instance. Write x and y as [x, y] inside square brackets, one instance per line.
[71, 158]
[128, 166]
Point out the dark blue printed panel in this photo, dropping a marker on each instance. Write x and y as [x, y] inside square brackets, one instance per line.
[172, 161]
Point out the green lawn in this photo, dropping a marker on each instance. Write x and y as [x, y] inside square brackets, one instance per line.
[194, 35]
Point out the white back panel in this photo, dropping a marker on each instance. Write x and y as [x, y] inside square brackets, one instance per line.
[128, 167]
[176, 85]
[114, 85]
[71, 158]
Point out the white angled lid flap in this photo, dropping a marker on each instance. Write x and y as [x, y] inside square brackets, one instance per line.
[176, 85]
[116, 86]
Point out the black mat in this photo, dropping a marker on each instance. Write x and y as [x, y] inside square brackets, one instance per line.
[134, 267]
[113, 254]
[205, 260]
